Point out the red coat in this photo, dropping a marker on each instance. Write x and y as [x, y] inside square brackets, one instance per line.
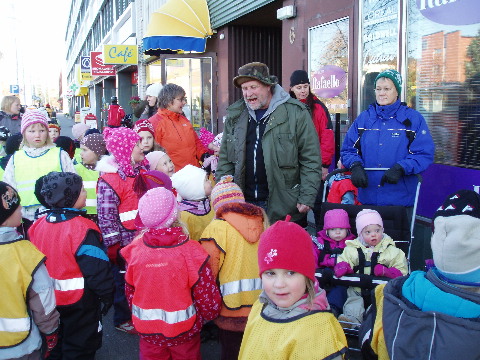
[115, 115]
[60, 250]
[163, 278]
[128, 208]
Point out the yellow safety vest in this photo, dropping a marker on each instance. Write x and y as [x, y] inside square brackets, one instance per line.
[315, 336]
[239, 282]
[90, 179]
[22, 258]
[77, 157]
[196, 223]
[28, 169]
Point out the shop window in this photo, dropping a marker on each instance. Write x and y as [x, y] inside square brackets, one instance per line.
[443, 80]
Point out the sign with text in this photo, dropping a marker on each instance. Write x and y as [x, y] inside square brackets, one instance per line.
[450, 12]
[120, 54]
[97, 66]
[329, 81]
[14, 89]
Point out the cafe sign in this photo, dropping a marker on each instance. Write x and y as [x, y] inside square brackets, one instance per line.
[120, 54]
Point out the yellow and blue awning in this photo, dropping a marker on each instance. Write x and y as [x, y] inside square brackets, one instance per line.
[179, 25]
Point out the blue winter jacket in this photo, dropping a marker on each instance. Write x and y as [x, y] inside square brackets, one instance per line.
[382, 136]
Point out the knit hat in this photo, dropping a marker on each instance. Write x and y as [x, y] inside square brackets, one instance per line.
[154, 90]
[367, 217]
[189, 182]
[4, 133]
[336, 218]
[67, 144]
[96, 143]
[299, 77]
[154, 157]
[38, 191]
[10, 201]
[456, 237]
[225, 192]
[33, 117]
[149, 180]
[120, 143]
[254, 71]
[393, 75]
[144, 125]
[52, 125]
[61, 189]
[79, 130]
[158, 208]
[286, 245]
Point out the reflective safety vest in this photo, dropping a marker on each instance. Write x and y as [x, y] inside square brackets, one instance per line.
[90, 178]
[60, 249]
[15, 279]
[30, 169]
[128, 208]
[238, 277]
[163, 278]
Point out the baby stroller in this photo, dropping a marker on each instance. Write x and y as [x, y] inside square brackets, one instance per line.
[397, 225]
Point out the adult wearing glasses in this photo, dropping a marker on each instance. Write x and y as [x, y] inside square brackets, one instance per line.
[173, 131]
[389, 135]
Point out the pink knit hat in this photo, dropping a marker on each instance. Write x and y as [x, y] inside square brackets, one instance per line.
[79, 130]
[154, 157]
[336, 218]
[33, 117]
[120, 143]
[158, 208]
[286, 245]
[367, 217]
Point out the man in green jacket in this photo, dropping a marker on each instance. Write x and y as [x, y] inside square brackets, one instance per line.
[270, 147]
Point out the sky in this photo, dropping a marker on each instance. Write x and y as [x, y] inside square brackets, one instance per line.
[32, 42]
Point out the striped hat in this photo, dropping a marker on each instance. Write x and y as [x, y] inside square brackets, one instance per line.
[33, 117]
[226, 191]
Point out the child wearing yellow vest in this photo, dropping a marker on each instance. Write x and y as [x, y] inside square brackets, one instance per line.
[27, 304]
[37, 157]
[193, 188]
[231, 239]
[93, 148]
[292, 318]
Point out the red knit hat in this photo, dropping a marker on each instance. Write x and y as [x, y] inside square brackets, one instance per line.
[144, 125]
[336, 218]
[286, 245]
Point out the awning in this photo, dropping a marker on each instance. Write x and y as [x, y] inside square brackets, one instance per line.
[179, 25]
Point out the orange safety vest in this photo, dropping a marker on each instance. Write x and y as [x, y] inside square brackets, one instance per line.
[163, 278]
[60, 243]
[128, 208]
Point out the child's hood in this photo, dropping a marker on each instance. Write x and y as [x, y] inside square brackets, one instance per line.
[107, 164]
[246, 218]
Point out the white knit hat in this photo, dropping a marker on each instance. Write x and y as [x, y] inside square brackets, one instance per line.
[154, 89]
[189, 182]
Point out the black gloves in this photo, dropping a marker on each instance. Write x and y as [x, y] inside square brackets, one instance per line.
[392, 175]
[359, 176]
[107, 303]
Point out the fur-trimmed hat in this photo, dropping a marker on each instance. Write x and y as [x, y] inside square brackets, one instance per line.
[254, 71]
[286, 245]
[456, 237]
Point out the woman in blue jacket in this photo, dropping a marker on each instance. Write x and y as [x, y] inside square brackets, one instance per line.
[390, 135]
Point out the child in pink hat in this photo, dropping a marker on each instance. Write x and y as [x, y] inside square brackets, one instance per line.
[373, 252]
[328, 246]
[117, 206]
[169, 283]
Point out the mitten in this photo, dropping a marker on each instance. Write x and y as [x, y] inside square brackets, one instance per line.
[392, 175]
[112, 252]
[107, 303]
[330, 262]
[359, 175]
[342, 268]
[382, 270]
[50, 343]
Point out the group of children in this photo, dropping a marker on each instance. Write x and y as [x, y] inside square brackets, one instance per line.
[170, 252]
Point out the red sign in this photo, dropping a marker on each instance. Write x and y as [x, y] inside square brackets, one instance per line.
[97, 67]
[135, 78]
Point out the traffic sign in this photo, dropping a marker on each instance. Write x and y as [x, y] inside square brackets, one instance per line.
[14, 89]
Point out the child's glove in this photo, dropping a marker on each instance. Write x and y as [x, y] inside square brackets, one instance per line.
[342, 268]
[359, 175]
[392, 175]
[112, 253]
[382, 270]
[107, 303]
[50, 343]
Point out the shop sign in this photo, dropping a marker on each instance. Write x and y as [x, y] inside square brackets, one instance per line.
[120, 54]
[83, 77]
[97, 67]
[450, 12]
[135, 78]
[329, 81]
